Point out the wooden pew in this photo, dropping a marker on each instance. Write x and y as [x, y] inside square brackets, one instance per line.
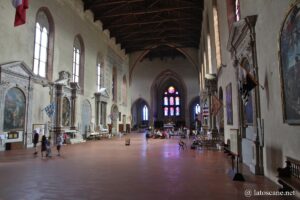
[289, 177]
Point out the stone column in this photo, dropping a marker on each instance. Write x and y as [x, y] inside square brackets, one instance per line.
[58, 109]
[74, 88]
[98, 109]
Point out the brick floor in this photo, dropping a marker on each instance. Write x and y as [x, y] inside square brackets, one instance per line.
[107, 169]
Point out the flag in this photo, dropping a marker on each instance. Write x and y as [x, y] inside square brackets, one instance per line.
[21, 6]
[216, 105]
[50, 109]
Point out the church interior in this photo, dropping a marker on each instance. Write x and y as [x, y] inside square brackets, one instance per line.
[223, 73]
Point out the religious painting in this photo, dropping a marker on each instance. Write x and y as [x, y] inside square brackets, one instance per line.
[290, 65]
[14, 110]
[229, 104]
[66, 112]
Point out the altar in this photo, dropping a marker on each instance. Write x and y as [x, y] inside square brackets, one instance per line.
[169, 126]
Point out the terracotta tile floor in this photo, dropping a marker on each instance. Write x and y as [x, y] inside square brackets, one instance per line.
[107, 169]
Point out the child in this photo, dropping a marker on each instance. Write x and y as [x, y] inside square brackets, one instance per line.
[48, 147]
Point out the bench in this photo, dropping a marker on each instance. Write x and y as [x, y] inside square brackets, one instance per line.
[234, 172]
[289, 177]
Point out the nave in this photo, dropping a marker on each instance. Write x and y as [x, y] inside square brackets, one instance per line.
[107, 169]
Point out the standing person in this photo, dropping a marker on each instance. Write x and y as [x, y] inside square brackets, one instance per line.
[43, 146]
[59, 143]
[147, 136]
[48, 147]
[35, 141]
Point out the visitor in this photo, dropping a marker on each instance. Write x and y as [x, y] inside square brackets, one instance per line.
[59, 143]
[48, 147]
[147, 136]
[35, 141]
[43, 145]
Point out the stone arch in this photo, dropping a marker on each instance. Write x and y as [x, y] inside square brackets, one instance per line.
[136, 113]
[164, 79]
[145, 52]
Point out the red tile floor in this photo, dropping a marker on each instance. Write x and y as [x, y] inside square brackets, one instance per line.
[107, 169]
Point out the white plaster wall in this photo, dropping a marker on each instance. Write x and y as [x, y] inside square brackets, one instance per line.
[17, 44]
[280, 139]
[145, 72]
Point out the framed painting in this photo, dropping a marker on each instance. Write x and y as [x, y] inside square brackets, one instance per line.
[66, 112]
[290, 65]
[14, 110]
[229, 112]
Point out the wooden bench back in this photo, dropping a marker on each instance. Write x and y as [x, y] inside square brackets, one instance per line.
[295, 167]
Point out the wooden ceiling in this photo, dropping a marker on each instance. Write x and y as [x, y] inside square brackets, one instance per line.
[142, 24]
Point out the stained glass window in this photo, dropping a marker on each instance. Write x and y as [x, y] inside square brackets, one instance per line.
[177, 111]
[171, 111]
[166, 102]
[171, 90]
[171, 98]
[171, 101]
[166, 111]
[177, 99]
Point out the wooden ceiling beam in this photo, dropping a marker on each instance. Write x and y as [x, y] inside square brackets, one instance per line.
[162, 38]
[157, 43]
[131, 50]
[124, 35]
[143, 12]
[100, 4]
[147, 22]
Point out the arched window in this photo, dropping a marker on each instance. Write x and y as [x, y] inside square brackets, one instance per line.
[98, 76]
[99, 71]
[233, 11]
[78, 61]
[43, 44]
[171, 102]
[197, 110]
[217, 33]
[145, 113]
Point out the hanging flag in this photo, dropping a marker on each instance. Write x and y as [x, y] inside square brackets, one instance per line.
[21, 6]
[216, 105]
[50, 109]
